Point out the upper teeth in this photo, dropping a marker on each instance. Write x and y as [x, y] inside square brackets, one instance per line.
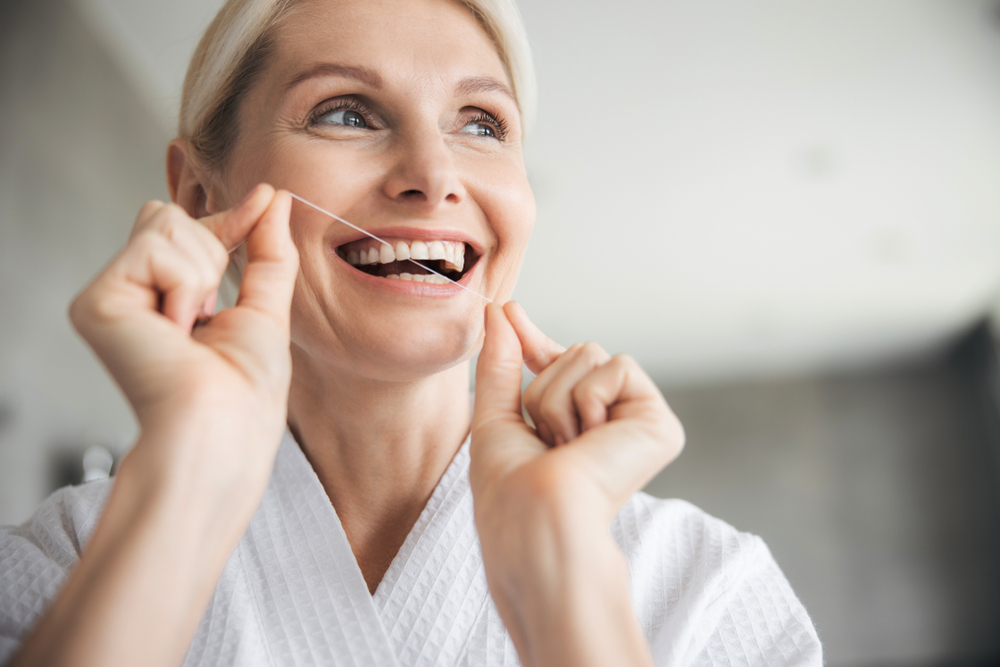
[452, 252]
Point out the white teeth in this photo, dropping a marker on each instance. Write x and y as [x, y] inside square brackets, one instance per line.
[457, 261]
[451, 253]
[420, 278]
[418, 250]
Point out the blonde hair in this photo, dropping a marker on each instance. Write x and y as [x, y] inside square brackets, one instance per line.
[239, 41]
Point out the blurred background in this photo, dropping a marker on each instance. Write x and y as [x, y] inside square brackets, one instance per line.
[789, 212]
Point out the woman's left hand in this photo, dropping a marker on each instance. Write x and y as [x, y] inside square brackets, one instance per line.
[544, 496]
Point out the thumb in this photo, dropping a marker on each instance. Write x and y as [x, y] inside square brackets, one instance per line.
[233, 225]
[498, 372]
[538, 349]
[272, 261]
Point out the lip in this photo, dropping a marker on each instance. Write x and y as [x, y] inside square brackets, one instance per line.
[410, 287]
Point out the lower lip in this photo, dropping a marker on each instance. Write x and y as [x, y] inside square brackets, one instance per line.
[408, 287]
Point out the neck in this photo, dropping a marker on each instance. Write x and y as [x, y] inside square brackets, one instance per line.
[379, 449]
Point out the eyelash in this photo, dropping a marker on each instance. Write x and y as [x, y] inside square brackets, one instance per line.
[497, 122]
[340, 105]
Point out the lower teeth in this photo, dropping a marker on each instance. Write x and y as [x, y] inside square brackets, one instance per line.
[420, 278]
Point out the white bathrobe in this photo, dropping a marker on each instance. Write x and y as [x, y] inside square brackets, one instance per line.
[292, 592]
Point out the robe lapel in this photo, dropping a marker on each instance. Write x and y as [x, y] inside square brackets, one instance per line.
[435, 593]
[313, 602]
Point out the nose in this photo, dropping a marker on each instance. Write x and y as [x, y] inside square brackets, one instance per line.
[423, 173]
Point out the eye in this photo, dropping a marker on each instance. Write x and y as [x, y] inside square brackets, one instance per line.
[348, 117]
[479, 129]
[486, 125]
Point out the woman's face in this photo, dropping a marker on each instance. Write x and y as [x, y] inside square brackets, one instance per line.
[397, 116]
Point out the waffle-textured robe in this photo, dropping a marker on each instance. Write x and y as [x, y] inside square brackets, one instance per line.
[292, 592]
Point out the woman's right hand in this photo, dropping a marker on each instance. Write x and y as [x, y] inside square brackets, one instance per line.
[210, 397]
[211, 402]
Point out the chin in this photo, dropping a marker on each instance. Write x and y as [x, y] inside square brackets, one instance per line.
[400, 349]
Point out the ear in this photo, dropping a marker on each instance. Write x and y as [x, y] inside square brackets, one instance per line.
[187, 183]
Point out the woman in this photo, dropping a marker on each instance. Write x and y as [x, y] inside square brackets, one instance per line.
[355, 536]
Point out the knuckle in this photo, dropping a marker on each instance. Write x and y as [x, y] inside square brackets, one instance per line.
[624, 360]
[168, 219]
[218, 254]
[150, 208]
[584, 392]
[551, 411]
[532, 394]
[594, 353]
[148, 241]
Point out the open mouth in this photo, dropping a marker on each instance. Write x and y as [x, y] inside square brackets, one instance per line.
[450, 258]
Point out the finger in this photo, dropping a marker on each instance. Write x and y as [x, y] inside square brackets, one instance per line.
[232, 226]
[498, 371]
[538, 349]
[157, 264]
[145, 216]
[272, 261]
[539, 387]
[647, 437]
[193, 239]
[556, 407]
[536, 390]
[189, 235]
[208, 307]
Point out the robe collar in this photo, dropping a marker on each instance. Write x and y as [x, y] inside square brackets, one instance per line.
[314, 602]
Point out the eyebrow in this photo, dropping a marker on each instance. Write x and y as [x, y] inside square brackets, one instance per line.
[363, 75]
[471, 85]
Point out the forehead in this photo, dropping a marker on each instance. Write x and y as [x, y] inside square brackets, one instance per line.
[416, 42]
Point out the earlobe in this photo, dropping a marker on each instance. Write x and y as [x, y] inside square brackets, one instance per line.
[185, 180]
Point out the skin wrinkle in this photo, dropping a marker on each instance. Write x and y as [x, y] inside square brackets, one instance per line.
[377, 380]
[372, 375]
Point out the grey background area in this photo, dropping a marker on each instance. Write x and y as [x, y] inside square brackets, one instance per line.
[874, 485]
[79, 154]
[876, 492]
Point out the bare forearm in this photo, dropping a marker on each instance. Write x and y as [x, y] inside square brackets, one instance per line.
[565, 598]
[142, 583]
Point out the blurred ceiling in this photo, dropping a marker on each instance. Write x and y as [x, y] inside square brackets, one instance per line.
[729, 189]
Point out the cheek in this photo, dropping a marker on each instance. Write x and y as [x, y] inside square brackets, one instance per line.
[511, 212]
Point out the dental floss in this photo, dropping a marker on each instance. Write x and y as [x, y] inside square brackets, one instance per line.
[384, 242]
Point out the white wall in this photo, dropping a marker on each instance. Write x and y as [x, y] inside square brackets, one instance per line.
[729, 189]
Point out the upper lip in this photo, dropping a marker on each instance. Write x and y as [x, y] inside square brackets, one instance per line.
[415, 234]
